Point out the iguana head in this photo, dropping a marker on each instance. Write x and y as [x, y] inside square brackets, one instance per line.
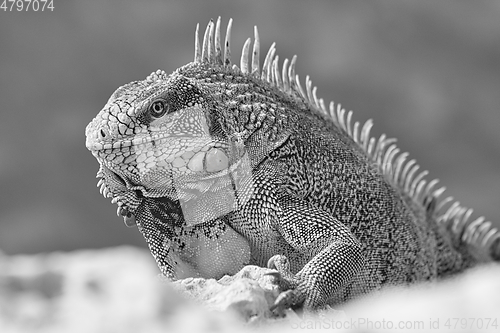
[170, 135]
[157, 131]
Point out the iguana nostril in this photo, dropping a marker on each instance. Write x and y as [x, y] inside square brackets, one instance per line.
[103, 133]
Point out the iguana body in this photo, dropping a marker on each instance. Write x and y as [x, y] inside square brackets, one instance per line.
[222, 166]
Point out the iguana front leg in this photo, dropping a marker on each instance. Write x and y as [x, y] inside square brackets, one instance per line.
[333, 251]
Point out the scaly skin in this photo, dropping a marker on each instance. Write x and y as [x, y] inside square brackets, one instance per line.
[221, 167]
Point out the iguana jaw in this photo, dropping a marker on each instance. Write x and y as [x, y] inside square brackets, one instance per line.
[187, 155]
[140, 169]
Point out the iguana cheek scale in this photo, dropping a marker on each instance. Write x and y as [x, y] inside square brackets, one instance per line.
[221, 166]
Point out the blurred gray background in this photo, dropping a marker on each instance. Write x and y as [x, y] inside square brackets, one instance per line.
[427, 72]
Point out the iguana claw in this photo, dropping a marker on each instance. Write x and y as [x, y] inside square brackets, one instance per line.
[285, 300]
[284, 278]
[287, 282]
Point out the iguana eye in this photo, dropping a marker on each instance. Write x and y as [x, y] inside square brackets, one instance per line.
[158, 108]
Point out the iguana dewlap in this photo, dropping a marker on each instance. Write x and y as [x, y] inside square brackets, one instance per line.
[221, 166]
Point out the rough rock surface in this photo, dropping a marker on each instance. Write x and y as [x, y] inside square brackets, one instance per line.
[118, 290]
[248, 294]
[113, 290]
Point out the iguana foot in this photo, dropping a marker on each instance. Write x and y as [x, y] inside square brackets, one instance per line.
[291, 295]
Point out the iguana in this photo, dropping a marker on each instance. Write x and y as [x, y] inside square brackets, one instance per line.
[221, 166]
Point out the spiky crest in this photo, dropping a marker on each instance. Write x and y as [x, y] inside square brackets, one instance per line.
[383, 152]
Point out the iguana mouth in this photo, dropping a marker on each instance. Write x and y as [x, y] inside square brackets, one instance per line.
[138, 141]
[185, 154]
[119, 178]
[155, 167]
